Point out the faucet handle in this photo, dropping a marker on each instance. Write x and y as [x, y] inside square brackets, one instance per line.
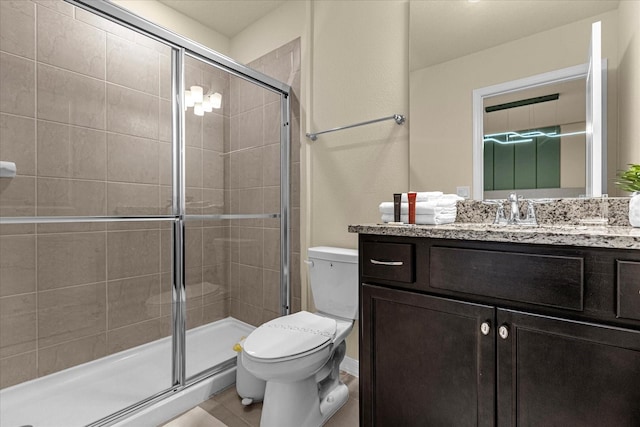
[500, 217]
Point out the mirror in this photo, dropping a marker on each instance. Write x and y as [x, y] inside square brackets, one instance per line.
[532, 137]
[457, 47]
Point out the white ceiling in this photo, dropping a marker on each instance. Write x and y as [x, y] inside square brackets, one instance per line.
[441, 30]
[228, 17]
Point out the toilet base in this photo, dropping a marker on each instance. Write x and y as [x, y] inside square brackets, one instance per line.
[297, 404]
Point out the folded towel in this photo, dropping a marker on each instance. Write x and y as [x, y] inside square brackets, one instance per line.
[423, 219]
[423, 196]
[432, 207]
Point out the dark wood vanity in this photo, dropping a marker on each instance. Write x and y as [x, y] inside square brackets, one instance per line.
[457, 332]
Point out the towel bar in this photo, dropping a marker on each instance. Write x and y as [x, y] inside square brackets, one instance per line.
[397, 117]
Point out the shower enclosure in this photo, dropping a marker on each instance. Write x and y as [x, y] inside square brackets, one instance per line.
[148, 226]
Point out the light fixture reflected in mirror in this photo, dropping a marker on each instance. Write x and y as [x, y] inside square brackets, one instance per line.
[200, 101]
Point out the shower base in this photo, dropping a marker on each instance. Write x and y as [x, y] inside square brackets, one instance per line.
[83, 394]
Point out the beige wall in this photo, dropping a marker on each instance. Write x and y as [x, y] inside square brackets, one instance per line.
[629, 83]
[167, 17]
[441, 107]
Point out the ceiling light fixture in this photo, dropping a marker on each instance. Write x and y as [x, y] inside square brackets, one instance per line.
[200, 101]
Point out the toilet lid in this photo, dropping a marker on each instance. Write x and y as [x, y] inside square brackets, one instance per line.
[290, 335]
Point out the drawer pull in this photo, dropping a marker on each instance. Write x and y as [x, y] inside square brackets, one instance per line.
[390, 263]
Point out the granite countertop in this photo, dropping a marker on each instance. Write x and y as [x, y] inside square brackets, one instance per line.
[617, 237]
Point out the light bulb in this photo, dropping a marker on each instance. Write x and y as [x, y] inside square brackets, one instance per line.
[188, 99]
[198, 110]
[196, 93]
[206, 104]
[216, 100]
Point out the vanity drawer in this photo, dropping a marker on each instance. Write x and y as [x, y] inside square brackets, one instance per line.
[550, 280]
[388, 261]
[628, 289]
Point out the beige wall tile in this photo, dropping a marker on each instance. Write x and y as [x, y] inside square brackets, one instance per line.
[246, 313]
[250, 164]
[132, 65]
[133, 253]
[271, 295]
[216, 311]
[67, 97]
[272, 205]
[165, 121]
[250, 285]
[17, 265]
[70, 44]
[132, 113]
[246, 129]
[133, 300]
[251, 246]
[71, 152]
[216, 246]
[17, 92]
[272, 248]
[17, 324]
[213, 169]
[70, 313]
[271, 165]
[18, 142]
[57, 5]
[192, 129]
[165, 76]
[131, 159]
[71, 353]
[193, 166]
[213, 201]
[133, 199]
[68, 197]
[18, 196]
[272, 123]
[165, 156]
[6, 230]
[17, 23]
[193, 247]
[215, 284]
[213, 127]
[251, 200]
[104, 24]
[134, 335]
[245, 96]
[70, 259]
[17, 369]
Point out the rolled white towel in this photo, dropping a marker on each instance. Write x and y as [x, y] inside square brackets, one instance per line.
[433, 207]
[424, 219]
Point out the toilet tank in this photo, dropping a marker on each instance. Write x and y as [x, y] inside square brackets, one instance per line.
[333, 273]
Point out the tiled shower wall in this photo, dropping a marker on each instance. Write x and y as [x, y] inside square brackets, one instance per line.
[252, 172]
[85, 114]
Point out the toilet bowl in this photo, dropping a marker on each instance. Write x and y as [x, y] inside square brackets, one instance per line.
[299, 355]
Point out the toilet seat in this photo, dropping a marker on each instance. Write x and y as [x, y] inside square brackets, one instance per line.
[290, 336]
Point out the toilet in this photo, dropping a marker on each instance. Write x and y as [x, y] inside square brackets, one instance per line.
[299, 355]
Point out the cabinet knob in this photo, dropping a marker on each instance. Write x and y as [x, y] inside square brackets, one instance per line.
[503, 331]
[485, 328]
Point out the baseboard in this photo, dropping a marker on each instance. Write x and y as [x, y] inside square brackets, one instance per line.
[351, 366]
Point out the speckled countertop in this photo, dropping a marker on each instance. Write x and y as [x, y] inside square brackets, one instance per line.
[569, 235]
[561, 223]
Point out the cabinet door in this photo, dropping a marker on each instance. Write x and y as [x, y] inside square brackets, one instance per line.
[424, 360]
[554, 372]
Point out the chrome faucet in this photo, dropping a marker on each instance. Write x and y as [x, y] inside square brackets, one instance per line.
[514, 211]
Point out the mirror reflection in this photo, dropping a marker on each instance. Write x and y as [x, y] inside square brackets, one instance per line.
[457, 47]
[534, 142]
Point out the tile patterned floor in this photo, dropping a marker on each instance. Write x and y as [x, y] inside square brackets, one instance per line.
[227, 408]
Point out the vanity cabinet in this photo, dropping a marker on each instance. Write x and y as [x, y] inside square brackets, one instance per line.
[460, 333]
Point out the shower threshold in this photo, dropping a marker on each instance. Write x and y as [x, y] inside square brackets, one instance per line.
[83, 394]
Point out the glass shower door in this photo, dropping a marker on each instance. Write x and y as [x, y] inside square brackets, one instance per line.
[233, 211]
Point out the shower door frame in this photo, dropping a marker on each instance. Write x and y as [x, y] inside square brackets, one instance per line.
[181, 47]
